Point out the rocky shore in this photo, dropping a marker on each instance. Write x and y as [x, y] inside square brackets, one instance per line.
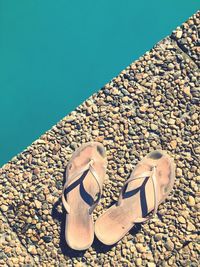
[153, 103]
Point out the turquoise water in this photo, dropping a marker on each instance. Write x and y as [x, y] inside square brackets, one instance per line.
[54, 54]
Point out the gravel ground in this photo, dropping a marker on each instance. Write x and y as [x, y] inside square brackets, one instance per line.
[151, 104]
[188, 38]
[12, 252]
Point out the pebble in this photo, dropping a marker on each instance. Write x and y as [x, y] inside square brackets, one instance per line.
[170, 66]
[190, 226]
[181, 219]
[156, 104]
[70, 118]
[191, 201]
[29, 220]
[138, 262]
[4, 207]
[173, 144]
[179, 34]
[186, 90]
[195, 116]
[121, 170]
[143, 108]
[158, 237]
[32, 250]
[151, 264]
[115, 91]
[36, 171]
[47, 239]
[179, 172]
[171, 121]
[140, 247]
[154, 127]
[169, 245]
[38, 204]
[95, 132]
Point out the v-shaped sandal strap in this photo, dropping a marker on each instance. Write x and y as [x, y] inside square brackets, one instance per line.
[73, 179]
[151, 175]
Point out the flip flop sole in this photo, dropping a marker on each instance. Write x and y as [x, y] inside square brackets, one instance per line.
[138, 200]
[79, 226]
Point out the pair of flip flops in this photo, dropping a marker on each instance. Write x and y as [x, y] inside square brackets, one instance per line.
[149, 184]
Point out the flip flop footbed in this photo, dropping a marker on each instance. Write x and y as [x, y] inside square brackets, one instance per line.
[82, 192]
[138, 199]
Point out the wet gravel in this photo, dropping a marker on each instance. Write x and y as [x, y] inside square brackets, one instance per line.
[153, 103]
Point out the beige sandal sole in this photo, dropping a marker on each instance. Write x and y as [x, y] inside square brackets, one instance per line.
[138, 199]
[79, 195]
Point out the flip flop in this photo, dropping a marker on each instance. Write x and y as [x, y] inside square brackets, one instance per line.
[149, 184]
[85, 174]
